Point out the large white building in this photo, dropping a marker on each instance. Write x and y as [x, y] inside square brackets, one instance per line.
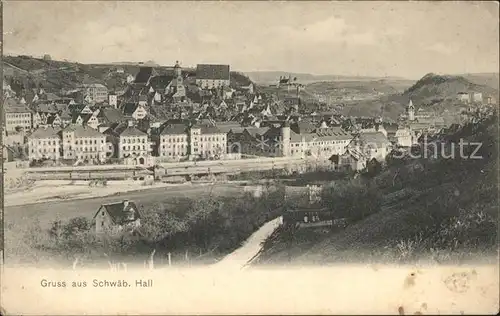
[134, 144]
[174, 142]
[177, 141]
[16, 115]
[44, 143]
[83, 143]
[212, 76]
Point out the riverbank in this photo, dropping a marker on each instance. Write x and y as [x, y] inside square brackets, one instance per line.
[61, 190]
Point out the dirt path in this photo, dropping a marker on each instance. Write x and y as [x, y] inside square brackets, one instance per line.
[242, 256]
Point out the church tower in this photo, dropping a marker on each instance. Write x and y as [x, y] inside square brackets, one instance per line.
[177, 70]
[411, 111]
[285, 138]
[180, 92]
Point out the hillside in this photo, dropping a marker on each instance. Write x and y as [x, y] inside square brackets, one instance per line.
[432, 91]
[434, 88]
[53, 75]
[447, 209]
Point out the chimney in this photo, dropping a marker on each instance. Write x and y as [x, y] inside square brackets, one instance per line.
[130, 123]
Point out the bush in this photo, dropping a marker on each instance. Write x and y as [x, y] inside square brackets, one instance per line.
[215, 225]
[354, 199]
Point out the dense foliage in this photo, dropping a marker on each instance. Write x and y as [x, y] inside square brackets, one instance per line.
[209, 228]
[436, 207]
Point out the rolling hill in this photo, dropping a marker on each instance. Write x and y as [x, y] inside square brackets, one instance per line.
[53, 76]
[438, 92]
[432, 88]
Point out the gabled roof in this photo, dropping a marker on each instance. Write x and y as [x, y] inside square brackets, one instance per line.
[143, 75]
[52, 118]
[356, 154]
[214, 72]
[48, 132]
[375, 138]
[174, 129]
[333, 133]
[46, 108]
[132, 131]
[303, 127]
[51, 97]
[119, 213]
[254, 131]
[111, 115]
[81, 131]
[207, 128]
[87, 118]
[66, 115]
[159, 83]
[14, 106]
[129, 108]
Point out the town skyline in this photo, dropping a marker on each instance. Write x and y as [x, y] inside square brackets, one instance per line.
[405, 40]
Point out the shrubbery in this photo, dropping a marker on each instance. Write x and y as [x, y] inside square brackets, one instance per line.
[353, 199]
[213, 226]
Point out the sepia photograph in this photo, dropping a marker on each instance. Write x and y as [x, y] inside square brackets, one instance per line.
[249, 157]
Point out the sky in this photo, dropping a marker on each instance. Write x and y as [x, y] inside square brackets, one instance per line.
[405, 39]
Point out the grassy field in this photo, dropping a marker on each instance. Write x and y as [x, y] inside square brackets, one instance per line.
[20, 219]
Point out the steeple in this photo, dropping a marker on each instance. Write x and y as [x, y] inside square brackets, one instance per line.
[177, 69]
[410, 105]
[411, 111]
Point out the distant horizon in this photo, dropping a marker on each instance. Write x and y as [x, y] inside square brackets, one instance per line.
[352, 39]
[117, 63]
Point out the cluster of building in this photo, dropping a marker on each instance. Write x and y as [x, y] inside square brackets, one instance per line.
[475, 97]
[179, 114]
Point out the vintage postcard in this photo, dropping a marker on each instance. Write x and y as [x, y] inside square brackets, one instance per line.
[249, 157]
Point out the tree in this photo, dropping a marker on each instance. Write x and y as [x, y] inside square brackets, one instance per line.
[354, 200]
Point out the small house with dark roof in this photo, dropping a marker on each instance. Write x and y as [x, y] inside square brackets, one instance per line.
[212, 76]
[91, 121]
[135, 110]
[115, 217]
[110, 115]
[353, 158]
[54, 120]
[143, 76]
[372, 145]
